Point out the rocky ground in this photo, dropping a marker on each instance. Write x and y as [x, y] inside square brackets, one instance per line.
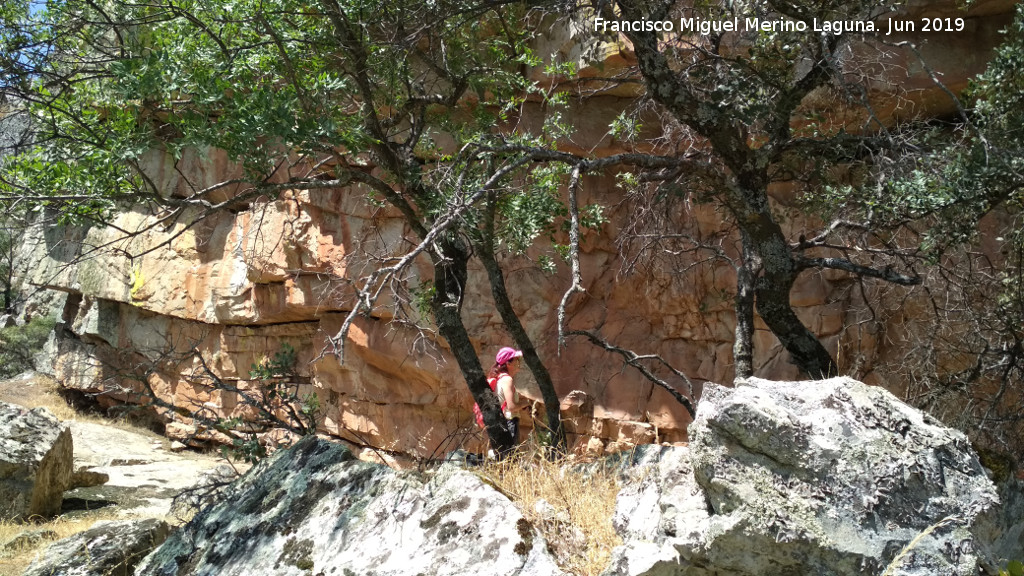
[144, 473]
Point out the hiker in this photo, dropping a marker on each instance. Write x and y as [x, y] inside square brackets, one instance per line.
[499, 378]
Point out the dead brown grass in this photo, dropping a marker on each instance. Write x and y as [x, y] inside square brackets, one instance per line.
[16, 560]
[42, 391]
[572, 508]
[34, 392]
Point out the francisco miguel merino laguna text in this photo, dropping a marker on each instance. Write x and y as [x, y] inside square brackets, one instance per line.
[837, 27]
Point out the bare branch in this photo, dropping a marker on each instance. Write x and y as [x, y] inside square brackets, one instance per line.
[373, 286]
[574, 254]
[636, 360]
[887, 273]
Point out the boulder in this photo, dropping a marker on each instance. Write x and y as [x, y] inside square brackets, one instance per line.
[1010, 544]
[35, 462]
[827, 477]
[314, 508]
[26, 539]
[84, 477]
[660, 507]
[106, 549]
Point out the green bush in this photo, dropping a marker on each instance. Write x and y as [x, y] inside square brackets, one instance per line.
[1014, 568]
[277, 405]
[19, 345]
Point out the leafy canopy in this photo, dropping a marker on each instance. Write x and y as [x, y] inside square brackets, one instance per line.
[293, 92]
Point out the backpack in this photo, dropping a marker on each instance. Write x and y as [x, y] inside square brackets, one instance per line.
[493, 383]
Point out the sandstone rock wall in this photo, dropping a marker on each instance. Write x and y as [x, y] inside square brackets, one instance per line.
[235, 287]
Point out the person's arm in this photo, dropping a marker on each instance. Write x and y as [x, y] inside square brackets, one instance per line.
[508, 394]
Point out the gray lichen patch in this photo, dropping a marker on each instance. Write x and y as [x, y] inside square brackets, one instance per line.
[334, 515]
[298, 553]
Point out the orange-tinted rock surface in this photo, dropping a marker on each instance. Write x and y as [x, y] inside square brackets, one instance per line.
[235, 287]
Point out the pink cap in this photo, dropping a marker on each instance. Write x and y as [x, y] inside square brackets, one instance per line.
[506, 354]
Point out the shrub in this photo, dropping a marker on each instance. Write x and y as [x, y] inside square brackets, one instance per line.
[19, 345]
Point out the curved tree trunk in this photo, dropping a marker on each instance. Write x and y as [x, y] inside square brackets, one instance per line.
[803, 346]
[450, 273]
[778, 273]
[522, 339]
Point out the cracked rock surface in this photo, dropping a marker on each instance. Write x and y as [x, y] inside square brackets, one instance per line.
[314, 508]
[106, 549]
[827, 477]
[35, 462]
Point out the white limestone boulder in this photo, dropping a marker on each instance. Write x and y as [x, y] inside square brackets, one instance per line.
[827, 477]
[315, 509]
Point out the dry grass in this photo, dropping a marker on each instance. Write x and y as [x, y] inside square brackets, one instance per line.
[37, 391]
[14, 561]
[577, 519]
[42, 391]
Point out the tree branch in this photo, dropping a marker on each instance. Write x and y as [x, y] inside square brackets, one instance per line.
[887, 273]
[635, 360]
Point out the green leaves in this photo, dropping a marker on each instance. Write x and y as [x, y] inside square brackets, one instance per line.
[19, 345]
[531, 212]
[265, 81]
[1013, 568]
[282, 365]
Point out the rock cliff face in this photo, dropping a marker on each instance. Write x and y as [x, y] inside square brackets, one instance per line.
[236, 287]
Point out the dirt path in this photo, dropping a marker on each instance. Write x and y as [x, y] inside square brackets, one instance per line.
[144, 474]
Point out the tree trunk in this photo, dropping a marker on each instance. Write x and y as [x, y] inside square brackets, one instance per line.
[450, 273]
[803, 346]
[778, 273]
[522, 339]
[743, 345]
[746, 198]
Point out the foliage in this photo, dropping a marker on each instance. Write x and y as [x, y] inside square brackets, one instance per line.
[264, 81]
[969, 364]
[19, 345]
[1013, 568]
[279, 405]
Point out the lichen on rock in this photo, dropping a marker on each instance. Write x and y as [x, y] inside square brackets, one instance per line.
[314, 507]
[36, 462]
[822, 477]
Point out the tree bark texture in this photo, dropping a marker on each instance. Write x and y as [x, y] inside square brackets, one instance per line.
[522, 340]
[450, 262]
[743, 343]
